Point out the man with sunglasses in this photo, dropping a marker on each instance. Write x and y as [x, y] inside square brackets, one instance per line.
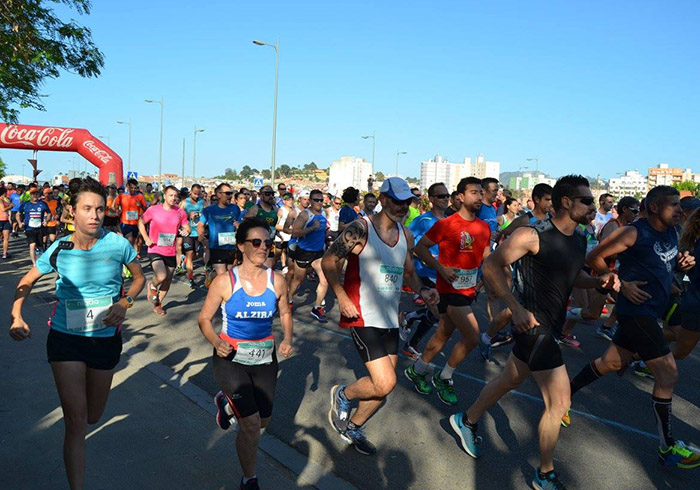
[550, 256]
[604, 213]
[266, 210]
[222, 219]
[281, 191]
[648, 253]
[379, 251]
[309, 229]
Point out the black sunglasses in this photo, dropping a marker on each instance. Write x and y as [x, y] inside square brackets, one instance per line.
[229, 193]
[268, 193]
[257, 242]
[402, 203]
[317, 200]
[634, 210]
[585, 200]
[441, 196]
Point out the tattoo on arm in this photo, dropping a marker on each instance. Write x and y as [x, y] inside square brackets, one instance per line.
[352, 234]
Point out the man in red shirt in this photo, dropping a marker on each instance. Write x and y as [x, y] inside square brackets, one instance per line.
[463, 241]
[132, 206]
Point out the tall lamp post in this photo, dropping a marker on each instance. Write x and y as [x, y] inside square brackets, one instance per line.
[160, 147]
[128, 165]
[194, 153]
[373, 141]
[276, 47]
[106, 138]
[397, 160]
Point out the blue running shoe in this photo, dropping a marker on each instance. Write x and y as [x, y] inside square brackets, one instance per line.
[470, 441]
[357, 438]
[549, 482]
[339, 414]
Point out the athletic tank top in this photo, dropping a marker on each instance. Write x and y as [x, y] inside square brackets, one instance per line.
[333, 219]
[269, 217]
[544, 281]
[373, 280]
[316, 240]
[193, 208]
[505, 224]
[652, 258]
[247, 317]
[285, 214]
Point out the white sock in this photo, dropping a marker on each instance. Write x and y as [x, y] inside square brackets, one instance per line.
[246, 478]
[447, 372]
[642, 364]
[485, 338]
[420, 367]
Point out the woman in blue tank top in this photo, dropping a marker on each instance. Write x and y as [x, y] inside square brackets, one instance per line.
[245, 361]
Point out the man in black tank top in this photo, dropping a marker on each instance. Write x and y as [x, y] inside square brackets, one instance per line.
[550, 255]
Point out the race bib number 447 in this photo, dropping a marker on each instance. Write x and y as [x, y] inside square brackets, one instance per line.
[254, 353]
[86, 315]
[390, 278]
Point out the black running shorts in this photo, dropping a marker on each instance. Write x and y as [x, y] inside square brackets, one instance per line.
[221, 256]
[374, 343]
[641, 334]
[189, 243]
[452, 299]
[168, 260]
[35, 236]
[304, 258]
[540, 351]
[690, 321]
[96, 352]
[250, 389]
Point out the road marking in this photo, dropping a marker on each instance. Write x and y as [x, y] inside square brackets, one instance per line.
[603, 420]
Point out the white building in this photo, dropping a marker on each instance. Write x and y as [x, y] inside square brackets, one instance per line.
[449, 173]
[529, 180]
[348, 171]
[631, 184]
[17, 179]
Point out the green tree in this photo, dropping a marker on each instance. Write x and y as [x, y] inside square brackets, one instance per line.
[3, 168]
[266, 174]
[283, 171]
[687, 185]
[246, 172]
[310, 167]
[379, 176]
[35, 45]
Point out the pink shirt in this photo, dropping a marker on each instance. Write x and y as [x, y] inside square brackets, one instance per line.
[164, 228]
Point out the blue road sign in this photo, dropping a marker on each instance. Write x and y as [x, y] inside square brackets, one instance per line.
[132, 175]
[257, 182]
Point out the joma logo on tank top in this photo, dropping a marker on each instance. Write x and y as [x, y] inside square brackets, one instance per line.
[666, 253]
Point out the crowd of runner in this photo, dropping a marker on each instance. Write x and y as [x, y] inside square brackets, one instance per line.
[560, 260]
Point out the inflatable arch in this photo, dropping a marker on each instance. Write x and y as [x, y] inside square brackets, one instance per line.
[51, 138]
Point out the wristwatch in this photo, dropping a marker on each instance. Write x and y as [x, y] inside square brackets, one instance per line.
[129, 301]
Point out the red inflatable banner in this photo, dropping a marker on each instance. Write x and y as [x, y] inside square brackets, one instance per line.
[49, 138]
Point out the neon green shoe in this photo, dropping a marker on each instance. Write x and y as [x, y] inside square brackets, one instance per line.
[419, 381]
[679, 456]
[445, 389]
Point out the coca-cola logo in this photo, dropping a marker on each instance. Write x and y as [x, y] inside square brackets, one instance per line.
[37, 137]
[100, 154]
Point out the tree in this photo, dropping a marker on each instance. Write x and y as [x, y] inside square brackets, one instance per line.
[246, 172]
[266, 174]
[310, 167]
[379, 176]
[283, 170]
[229, 174]
[686, 185]
[35, 45]
[3, 168]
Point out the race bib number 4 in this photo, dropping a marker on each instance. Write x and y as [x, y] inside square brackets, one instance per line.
[466, 278]
[34, 222]
[227, 238]
[166, 239]
[86, 315]
[132, 215]
[254, 353]
[390, 278]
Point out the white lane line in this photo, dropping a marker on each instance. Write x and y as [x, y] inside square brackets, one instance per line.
[603, 420]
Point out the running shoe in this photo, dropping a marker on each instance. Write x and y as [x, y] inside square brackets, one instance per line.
[409, 351]
[484, 349]
[407, 323]
[223, 419]
[471, 443]
[5, 256]
[418, 301]
[179, 271]
[445, 389]
[643, 371]
[192, 283]
[420, 383]
[339, 414]
[549, 482]
[570, 340]
[152, 293]
[251, 484]
[357, 438]
[566, 419]
[207, 278]
[574, 314]
[605, 333]
[679, 456]
[319, 313]
[501, 338]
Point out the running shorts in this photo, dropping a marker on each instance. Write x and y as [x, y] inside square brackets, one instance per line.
[169, 261]
[130, 230]
[249, 389]
[304, 258]
[96, 352]
[50, 230]
[641, 334]
[35, 236]
[452, 299]
[189, 243]
[540, 351]
[374, 343]
[331, 236]
[690, 321]
[672, 316]
[5, 225]
[221, 256]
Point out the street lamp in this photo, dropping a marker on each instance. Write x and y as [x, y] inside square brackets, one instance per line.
[194, 153]
[128, 167]
[106, 138]
[537, 162]
[160, 148]
[397, 160]
[373, 141]
[276, 47]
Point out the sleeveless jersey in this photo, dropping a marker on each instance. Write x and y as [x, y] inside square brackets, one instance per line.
[373, 280]
[269, 217]
[316, 240]
[247, 317]
[193, 208]
[285, 214]
[544, 281]
[333, 219]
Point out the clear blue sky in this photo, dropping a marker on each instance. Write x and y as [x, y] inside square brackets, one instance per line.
[591, 87]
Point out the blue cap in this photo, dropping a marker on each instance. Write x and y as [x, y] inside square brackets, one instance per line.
[397, 188]
[690, 203]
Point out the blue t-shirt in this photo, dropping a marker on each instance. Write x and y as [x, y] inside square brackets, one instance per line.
[419, 227]
[220, 220]
[347, 215]
[88, 282]
[34, 213]
[16, 200]
[488, 214]
[194, 208]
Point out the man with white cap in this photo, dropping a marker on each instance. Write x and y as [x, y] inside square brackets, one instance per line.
[379, 252]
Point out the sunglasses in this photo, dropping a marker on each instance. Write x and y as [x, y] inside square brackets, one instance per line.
[337, 203]
[257, 242]
[441, 196]
[634, 210]
[282, 189]
[268, 193]
[401, 203]
[585, 200]
[317, 200]
[229, 193]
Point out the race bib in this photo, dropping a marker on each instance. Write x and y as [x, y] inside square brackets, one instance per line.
[86, 315]
[34, 222]
[132, 215]
[227, 238]
[254, 352]
[390, 278]
[466, 278]
[166, 239]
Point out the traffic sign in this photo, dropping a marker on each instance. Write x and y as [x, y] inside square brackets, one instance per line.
[132, 175]
[257, 182]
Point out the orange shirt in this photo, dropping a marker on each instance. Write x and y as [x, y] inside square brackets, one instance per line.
[109, 212]
[132, 206]
[53, 207]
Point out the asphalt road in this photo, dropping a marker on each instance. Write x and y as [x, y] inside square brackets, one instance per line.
[610, 444]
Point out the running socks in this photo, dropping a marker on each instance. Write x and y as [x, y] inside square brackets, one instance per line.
[352, 426]
[420, 367]
[662, 411]
[446, 372]
[586, 376]
[485, 338]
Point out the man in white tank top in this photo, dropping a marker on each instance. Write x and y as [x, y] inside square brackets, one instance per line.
[379, 252]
